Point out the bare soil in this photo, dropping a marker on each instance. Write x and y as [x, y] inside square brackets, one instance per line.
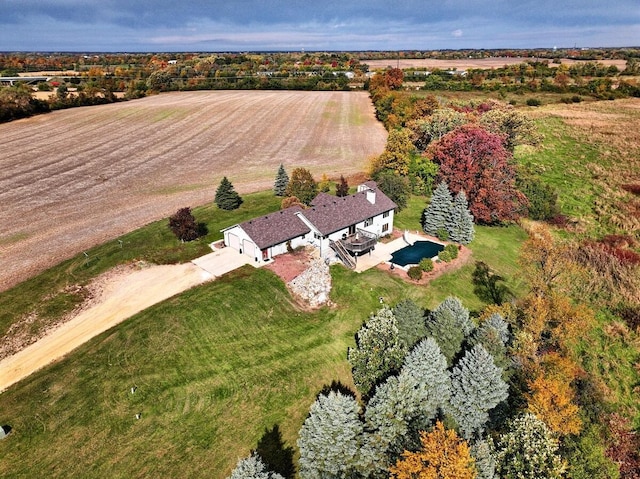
[467, 63]
[289, 266]
[76, 178]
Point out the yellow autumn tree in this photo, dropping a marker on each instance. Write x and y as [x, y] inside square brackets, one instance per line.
[551, 399]
[443, 455]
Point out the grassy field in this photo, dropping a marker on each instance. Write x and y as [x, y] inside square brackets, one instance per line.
[215, 368]
[213, 371]
[44, 298]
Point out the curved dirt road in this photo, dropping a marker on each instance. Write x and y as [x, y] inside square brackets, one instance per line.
[123, 296]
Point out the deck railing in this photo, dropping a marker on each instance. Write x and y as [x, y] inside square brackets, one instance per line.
[360, 242]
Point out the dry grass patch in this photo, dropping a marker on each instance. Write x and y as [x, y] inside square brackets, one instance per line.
[609, 127]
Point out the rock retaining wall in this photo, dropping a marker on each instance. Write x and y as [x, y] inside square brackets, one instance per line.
[314, 284]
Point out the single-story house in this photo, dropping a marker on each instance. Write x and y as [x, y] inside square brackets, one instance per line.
[348, 226]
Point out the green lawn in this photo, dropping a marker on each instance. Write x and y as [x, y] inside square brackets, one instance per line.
[47, 296]
[214, 368]
[499, 247]
[569, 165]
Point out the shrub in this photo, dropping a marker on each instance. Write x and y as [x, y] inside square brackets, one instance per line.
[426, 264]
[559, 220]
[415, 273]
[290, 201]
[442, 234]
[533, 102]
[452, 250]
[445, 256]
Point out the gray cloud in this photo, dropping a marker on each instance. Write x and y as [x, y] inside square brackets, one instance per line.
[333, 24]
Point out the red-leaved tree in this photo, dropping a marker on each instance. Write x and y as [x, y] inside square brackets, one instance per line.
[474, 160]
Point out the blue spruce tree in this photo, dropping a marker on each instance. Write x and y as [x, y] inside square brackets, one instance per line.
[436, 215]
[476, 388]
[460, 223]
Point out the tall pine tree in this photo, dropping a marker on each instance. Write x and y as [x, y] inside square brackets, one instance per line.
[460, 223]
[282, 180]
[449, 324]
[332, 442]
[436, 215]
[252, 467]
[476, 388]
[226, 197]
[410, 322]
[378, 351]
[407, 403]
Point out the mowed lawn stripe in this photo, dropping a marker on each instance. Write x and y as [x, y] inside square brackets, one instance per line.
[213, 367]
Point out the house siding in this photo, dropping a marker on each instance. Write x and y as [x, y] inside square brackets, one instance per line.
[318, 224]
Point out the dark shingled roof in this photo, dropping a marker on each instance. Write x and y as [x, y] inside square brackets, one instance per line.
[331, 213]
[276, 228]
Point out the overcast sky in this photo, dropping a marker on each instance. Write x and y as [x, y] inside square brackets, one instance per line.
[293, 25]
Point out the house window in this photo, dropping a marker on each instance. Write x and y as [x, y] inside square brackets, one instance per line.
[368, 222]
[385, 214]
[385, 227]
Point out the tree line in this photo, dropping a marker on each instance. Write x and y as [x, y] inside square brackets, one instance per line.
[444, 393]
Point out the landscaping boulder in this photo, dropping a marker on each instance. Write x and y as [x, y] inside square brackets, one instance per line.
[313, 285]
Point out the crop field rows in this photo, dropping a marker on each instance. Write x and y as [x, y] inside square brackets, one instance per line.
[75, 178]
[471, 63]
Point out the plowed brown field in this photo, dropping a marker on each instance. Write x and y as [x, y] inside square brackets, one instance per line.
[468, 63]
[75, 178]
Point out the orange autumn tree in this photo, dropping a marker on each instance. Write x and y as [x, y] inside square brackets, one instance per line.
[443, 455]
[551, 397]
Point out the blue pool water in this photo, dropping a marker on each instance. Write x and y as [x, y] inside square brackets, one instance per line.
[413, 254]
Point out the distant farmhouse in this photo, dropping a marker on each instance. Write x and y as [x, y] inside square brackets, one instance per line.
[338, 226]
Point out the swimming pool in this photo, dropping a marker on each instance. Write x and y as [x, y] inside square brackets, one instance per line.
[414, 253]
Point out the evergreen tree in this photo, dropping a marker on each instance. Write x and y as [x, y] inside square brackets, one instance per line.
[378, 351]
[342, 188]
[493, 334]
[476, 388]
[485, 462]
[282, 180]
[500, 325]
[460, 225]
[226, 197]
[528, 451]
[332, 441]
[407, 403]
[459, 312]
[444, 328]
[302, 186]
[449, 324]
[410, 321]
[252, 467]
[436, 215]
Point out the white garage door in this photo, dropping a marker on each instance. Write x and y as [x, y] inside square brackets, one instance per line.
[249, 248]
[234, 241]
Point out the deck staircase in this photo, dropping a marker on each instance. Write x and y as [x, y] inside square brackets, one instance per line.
[342, 253]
